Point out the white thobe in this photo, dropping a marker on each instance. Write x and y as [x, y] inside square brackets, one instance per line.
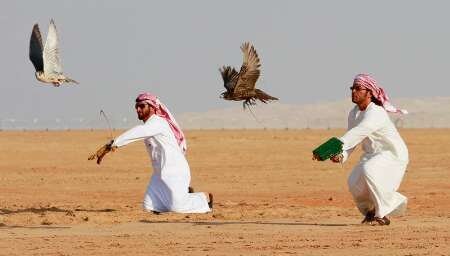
[168, 187]
[375, 180]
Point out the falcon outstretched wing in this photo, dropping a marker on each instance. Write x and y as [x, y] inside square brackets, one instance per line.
[230, 77]
[249, 72]
[36, 49]
[52, 62]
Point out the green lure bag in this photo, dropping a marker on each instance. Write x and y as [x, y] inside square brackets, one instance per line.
[328, 149]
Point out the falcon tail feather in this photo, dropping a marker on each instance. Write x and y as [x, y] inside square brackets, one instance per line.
[264, 97]
[70, 80]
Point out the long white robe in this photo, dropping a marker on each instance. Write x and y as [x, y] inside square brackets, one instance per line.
[168, 187]
[375, 180]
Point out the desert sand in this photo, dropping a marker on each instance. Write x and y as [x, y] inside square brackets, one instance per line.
[270, 197]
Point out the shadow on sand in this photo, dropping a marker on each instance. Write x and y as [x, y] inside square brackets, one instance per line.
[218, 223]
[42, 210]
[4, 226]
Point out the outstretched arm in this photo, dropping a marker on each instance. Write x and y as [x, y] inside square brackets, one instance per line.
[136, 133]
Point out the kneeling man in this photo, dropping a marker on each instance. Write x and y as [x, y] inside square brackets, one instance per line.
[166, 146]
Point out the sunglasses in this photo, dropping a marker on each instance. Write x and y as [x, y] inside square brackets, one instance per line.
[357, 88]
[140, 105]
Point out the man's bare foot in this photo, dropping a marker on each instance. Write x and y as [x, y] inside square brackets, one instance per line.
[370, 217]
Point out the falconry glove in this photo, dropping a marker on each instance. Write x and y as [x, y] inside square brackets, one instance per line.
[101, 152]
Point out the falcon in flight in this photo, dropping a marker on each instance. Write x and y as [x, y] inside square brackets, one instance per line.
[241, 86]
[46, 58]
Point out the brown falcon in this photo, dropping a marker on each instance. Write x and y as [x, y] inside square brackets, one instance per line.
[46, 58]
[241, 86]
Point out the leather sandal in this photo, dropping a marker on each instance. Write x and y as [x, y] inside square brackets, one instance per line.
[383, 221]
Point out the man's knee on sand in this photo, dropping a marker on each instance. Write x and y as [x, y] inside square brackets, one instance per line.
[147, 205]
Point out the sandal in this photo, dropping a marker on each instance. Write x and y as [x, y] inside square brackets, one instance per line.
[383, 221]
[190, 190]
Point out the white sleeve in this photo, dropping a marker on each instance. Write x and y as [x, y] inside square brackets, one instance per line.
[136, 133]
[371, 122]
[350, 123]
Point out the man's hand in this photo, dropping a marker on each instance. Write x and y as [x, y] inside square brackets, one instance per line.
[101, 152]
[337, 158]
[314, 158]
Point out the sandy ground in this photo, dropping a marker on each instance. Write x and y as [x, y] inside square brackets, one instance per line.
[270, 198]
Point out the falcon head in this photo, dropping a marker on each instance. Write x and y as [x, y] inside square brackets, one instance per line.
[226, 95]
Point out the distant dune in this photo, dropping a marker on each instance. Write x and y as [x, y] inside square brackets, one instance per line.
[423, 113]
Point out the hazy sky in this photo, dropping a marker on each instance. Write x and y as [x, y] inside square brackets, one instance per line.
[310, 51]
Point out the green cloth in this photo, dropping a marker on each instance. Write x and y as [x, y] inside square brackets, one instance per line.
[328, 149]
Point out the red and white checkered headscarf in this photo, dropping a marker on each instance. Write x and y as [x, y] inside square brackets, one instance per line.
[163, 111]
[378, 93]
